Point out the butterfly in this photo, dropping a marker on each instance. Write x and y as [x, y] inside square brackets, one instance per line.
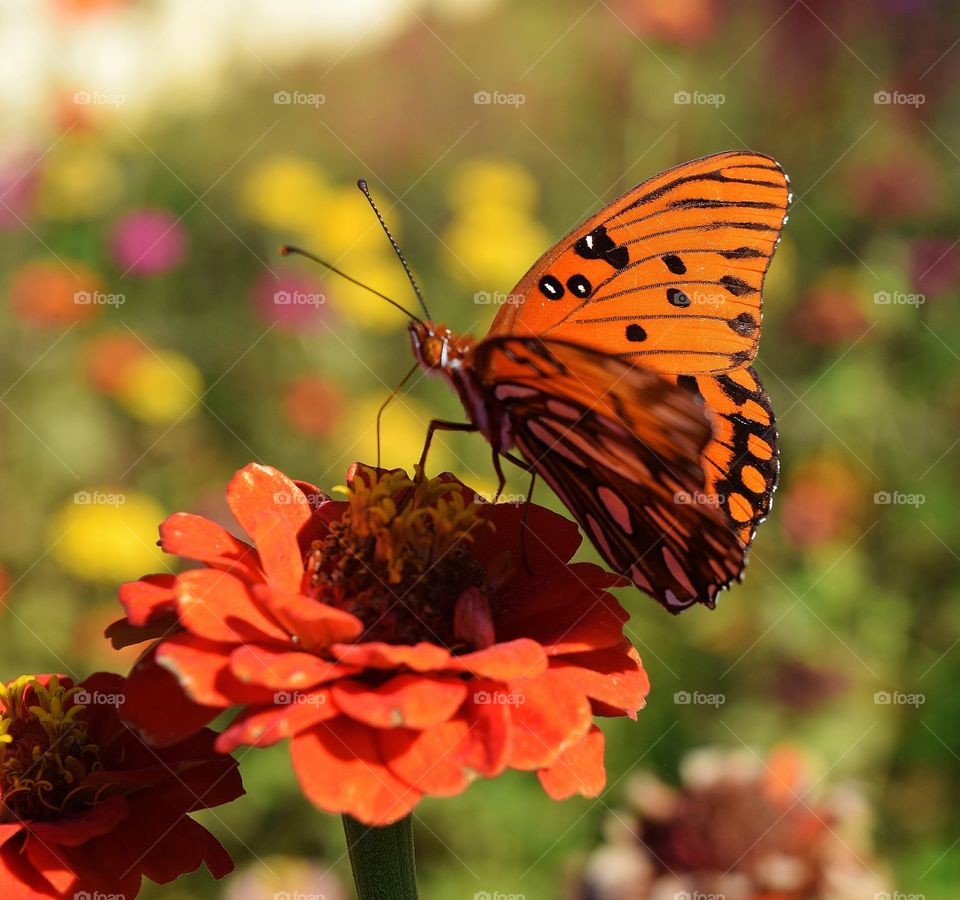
[619, 372]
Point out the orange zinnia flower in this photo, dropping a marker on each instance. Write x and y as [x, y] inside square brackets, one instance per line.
[398, 638]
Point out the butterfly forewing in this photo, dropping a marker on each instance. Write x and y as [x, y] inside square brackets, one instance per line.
[669, 275]
[621, 446]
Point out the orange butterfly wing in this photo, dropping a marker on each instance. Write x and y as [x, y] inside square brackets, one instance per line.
[740, 462]
[668, 275]
[621, 446]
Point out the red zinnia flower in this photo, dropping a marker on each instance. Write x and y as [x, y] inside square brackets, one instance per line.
[397, 637]
[86, 808]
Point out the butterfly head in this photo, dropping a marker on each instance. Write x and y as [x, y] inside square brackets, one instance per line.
[436, 346]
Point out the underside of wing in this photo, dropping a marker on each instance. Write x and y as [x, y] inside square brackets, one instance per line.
[741, 461]
[670, 274]
[622, 447]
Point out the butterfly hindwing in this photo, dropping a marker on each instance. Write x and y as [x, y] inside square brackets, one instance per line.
[741, 461]
[668, 275]
[621, 446]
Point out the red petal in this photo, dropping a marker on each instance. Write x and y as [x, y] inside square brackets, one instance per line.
[157, 706]
[521, 658]
[19, 879]
[202, 669]
[148, 599]
[265, 726]
[422, 657]
[410, 701]
[569, 611]
[443, 760]
[473, 620]
[340, 769]
[284, 668]
[610, 676]
[217, 606]
[194, 537]
[546, 717]
[549, 538]
[579, 770]
[255, 489]
[184, 847]
[81, 827]
[315, 624]
[123, 634]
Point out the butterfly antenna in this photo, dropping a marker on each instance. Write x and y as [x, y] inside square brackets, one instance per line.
[362, 184]
[288, 249]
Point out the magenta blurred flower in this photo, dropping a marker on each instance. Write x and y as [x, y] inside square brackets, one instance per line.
[148, 242]
[935, 266]
[18, 180]
[291, 302]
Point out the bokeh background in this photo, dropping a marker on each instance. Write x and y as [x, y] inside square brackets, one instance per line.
[155, 154]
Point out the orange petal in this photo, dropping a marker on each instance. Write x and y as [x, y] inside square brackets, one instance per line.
[201, 668]
[521, 658]
[340, 769]
[280, 553]
[217, 606]
[315, 624]
[546, 717]
[255, 489]
[610, 676]
[151, 596]
[443, 760]
[290, 669]
[194, 537]
[579, 770]
[411, 701]
[421, 657]
[264, 726]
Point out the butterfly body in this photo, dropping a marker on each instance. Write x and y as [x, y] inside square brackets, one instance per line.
[622, 374]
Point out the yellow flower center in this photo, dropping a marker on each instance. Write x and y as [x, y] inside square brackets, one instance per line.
[400, 558]
[45, 752]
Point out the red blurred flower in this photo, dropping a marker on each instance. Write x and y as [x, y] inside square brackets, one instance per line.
[396, 637]
[86, 808]
[313, 406]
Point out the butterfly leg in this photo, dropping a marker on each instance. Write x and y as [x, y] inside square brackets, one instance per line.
[440, 425]
[523, 464]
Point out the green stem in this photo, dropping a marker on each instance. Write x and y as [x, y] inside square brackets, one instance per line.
[382, 859]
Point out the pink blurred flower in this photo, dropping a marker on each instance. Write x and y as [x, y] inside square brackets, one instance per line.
[935, 266]
[291, 302]
[17, 182]
[148, 242]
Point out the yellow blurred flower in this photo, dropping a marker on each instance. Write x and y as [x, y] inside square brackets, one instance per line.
[493, 238]
[491, 247]
[285, 192]
[497, 182]
[160, 387]
[344, 224]
[107, 534]
[79, 179]
[365, 310]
